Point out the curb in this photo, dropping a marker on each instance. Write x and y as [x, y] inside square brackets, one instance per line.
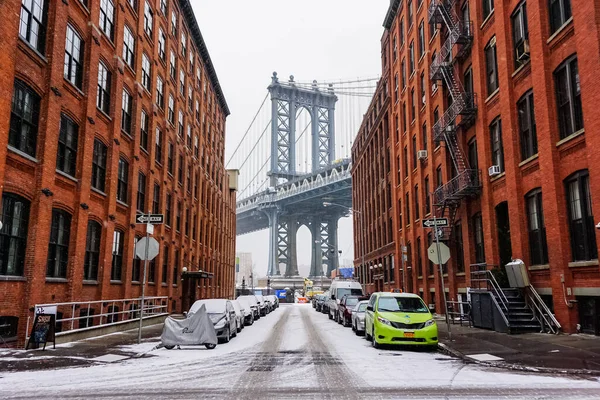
[444, 348]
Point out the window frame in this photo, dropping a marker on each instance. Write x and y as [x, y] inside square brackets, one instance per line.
[141, 192]
[26, 30]
[116, 268]
[587, 239]
[527, 125]
[574, 123]
[565, 14]
[99, 171]
[122, 180]
[536, 227]
[68, 138]
[74, 53]
[497, 146]
[92, 251]
[106, 21]
[104, 88]
[13, 239]
[520, 32]
[491, 67]
[24, 119]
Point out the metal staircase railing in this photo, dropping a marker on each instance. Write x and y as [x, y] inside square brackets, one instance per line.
[483, 279]
[541, 311]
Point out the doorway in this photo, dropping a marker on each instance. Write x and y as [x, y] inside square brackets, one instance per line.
[503, 230]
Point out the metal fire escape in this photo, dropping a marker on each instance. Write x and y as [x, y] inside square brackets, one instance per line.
[460, 113]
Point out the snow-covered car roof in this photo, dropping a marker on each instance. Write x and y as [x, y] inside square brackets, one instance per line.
[213, 306]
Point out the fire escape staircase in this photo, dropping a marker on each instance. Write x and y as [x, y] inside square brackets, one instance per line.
[459, 114]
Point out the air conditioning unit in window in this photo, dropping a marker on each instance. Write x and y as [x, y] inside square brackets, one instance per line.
[494, 170]
[523, 51]
[422, 154]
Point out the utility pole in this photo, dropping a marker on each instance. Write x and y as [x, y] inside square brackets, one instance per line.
[437, 244]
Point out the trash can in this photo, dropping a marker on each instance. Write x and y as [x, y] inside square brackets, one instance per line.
[517, 274]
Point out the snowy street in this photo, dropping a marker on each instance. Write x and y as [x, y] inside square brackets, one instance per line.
[292, 353]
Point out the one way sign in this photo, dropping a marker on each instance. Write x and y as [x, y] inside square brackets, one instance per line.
[155, 219]
[438, 222]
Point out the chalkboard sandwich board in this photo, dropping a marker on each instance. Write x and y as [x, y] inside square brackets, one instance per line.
[43, 331]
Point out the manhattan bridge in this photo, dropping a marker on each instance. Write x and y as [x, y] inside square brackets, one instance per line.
[294, 157]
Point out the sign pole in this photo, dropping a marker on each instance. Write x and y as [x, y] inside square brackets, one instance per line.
[403, 267]
[144, 279]
[437, 244]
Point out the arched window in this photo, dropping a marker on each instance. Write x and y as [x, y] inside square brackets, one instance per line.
[117, 255]
[538, 248]
[58, 248]
[13, 236]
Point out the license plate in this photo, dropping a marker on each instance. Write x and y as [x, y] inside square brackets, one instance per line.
[409, 334]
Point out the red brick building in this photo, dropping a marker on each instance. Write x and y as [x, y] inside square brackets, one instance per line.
[108, 109]
[492, 125]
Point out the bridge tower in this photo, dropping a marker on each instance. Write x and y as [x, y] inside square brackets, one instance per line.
[287, 99]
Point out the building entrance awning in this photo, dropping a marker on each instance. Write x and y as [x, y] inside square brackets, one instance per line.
[197, 274]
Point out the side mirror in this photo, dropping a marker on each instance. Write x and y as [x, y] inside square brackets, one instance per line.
[369, 308]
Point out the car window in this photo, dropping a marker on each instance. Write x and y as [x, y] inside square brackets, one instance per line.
[401, 304]
[351, 302]
[344, 291]
[362, 307]
[372, 300]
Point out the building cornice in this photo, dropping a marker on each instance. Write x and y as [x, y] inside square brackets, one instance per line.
[192, 24]
[391, 13]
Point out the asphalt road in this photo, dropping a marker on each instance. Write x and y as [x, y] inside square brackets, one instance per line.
[293, 353]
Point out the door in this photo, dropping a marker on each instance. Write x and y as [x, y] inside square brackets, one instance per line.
[589, 308]
[504, 242]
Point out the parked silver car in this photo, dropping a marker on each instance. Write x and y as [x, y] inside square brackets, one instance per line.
[254, 304]
[222, 315]
[358, 317]
[247, 310]
[239, 314]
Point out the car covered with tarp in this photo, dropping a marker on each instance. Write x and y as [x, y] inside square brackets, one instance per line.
[196, 329]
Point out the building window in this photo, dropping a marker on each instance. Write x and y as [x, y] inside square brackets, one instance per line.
[146, 72]
[413, 107]
[162, 39]
[187, 222]
[419, 258]
[180, 170]
[478, 238]
[568, 97]
[520, 35]
[423, 91]
[137, 264]
[560, 13]
[165, 265]
[168, 209]
[163, 7]
[473, 161]
[103, 95]
[410, 13]
[158, 146]
[188, 178]
[417, 204]
[496, 140]
[183, 44]
[99, 166]
[189, 136]
[180, 126]
[458, 248]
[488, 7]
[170, 158]
[148, 19]
[421, 39]
[92, 251]
[117, 256]
[403, 73]
[178, 216]
[173, 66]
[13, 235]
[411, 54]
[405, 161]
[32, 27]
[128, 47]
[404, 118]
[401, 29]
[529, 146]
[426, 196]
[468, 83]
[66, 157]
[438, 176]
[156, 199]
[176, 268]
[182, 82]
[581, 219]
[107, 17]
[145, 122]
[407, 205]
[171, 112]
[74, 48]
[141, 193]
[160, 92]
[196, 147]
[88, 318]
[122, 180]
[126, 110]
[24, 119]
[414, 152]
[538, 248]
[491, 66]
[174, 23]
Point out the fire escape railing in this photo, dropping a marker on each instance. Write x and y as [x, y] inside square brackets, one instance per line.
[468, 180]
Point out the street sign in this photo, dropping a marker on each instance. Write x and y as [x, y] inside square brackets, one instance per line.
[140, 248]
[430, 223]
[155, 219]
[444, 255]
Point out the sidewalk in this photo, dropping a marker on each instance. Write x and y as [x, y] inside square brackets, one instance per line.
[92, 351]
[571, 354]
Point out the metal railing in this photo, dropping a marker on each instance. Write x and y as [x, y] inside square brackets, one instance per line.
[541, 311]
[86, 315]
[461, 311]
[467, 180]
[481, 276]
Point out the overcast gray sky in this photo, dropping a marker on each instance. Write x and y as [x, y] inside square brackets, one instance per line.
[311, 39]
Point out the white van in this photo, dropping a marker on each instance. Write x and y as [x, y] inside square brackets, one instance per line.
[337, 290]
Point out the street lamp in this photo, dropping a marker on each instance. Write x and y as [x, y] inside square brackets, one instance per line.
[362, 226]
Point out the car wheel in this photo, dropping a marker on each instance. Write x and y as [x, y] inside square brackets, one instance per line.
[353, 328]
[210, 346]
[330, 316]
[169, 347]
[367, 336]
[374, 339]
